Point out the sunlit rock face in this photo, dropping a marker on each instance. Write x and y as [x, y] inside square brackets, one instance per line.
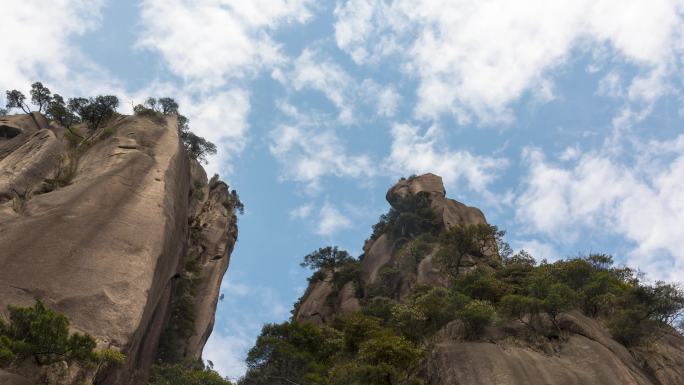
[101, 230]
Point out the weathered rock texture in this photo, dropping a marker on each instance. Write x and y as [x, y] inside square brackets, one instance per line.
[584, 355]
[587, 355]
[100, 230]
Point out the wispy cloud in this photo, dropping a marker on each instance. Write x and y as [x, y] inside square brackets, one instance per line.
[413, 152]
[475, 58]
[638, 198]
[308, 152]
[331, 220]
[301, 212]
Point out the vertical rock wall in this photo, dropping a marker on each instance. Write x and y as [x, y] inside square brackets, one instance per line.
[105, 246]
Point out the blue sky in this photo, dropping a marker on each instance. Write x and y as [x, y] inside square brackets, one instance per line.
[561, 120]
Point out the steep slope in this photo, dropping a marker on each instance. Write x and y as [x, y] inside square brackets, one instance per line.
[569, 348]
[101, 231]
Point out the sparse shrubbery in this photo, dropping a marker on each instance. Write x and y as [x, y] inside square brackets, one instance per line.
[42, 335]
[328, 257]
[196, 146]
[183, 374]
[94, 111]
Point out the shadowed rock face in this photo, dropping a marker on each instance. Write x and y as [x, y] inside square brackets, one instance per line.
[104, 245]
[585, 355]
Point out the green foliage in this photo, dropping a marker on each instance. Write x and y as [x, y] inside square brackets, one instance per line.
[16, 99]
[328, 257]
[482, 284]
[168, 106]
[58, 111]
[197, 147]
[288, 352]
[143, 110]
[387, 283]
[406, 219]
[631, 308]
[40, 96]
[42, 334]
[412, 252]
[481, 242]
[627, 326]
[476, 316]
[519, 306]
[181, 325]
[182, 374]
[559, 298]
[356, 349]
[235, 202]
[95, 111]
[426, 310]
[378, 307]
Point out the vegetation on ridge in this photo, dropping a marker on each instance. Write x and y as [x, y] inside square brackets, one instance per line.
[488, 286]
[196, 146]
[96, 111]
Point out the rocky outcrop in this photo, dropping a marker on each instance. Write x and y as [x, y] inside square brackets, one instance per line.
[212, 237]
[586, 355]
[448, 211]
[382, 253]
[100, 230]
[580, 351]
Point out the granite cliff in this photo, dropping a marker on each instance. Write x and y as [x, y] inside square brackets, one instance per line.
[108, 231]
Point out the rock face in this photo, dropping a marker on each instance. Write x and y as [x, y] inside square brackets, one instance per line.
[585, 355]
[382, 254]
[589, 356]
[100, 230]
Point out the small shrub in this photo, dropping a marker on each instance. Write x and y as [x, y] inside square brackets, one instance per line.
[476, 316]
[328, 257]
[626, 326]
[379, 307]
[183, 374]
[43, 335]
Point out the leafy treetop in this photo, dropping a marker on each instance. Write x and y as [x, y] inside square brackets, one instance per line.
[328, 257]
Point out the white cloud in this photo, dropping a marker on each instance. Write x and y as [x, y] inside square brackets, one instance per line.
[38, 46]
[639, 199]
[239, 318]
[313, 70]
[317, 71]
[413, 153]
[331, 220]
[307, 155]
[385, 98]
[611, 85]
[228, 353]
[209, 42]
[221, 118]
[474, 58]
[301, 212]
[538, 249]
[215, 46]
